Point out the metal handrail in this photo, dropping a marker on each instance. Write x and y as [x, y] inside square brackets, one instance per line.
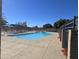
[66, 26]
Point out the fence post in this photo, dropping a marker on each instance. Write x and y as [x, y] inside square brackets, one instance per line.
[73, 44]
[69, 42]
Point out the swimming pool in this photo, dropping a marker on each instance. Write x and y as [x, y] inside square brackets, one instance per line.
[33, 36]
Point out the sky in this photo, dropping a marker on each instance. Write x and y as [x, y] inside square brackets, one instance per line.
[38, 12]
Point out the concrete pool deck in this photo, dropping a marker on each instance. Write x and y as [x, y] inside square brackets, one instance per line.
[46, 48]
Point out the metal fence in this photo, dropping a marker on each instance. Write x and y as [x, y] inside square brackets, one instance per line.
[72, 40]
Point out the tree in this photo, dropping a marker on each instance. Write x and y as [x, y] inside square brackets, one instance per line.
[36, 27]
[24, 24]
[61, 22]
[16, 27]
[47, 26]
[19, 26]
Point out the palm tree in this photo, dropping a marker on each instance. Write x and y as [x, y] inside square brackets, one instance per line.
[3, 22]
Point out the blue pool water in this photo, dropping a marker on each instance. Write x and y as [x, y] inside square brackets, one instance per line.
[33, 36]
